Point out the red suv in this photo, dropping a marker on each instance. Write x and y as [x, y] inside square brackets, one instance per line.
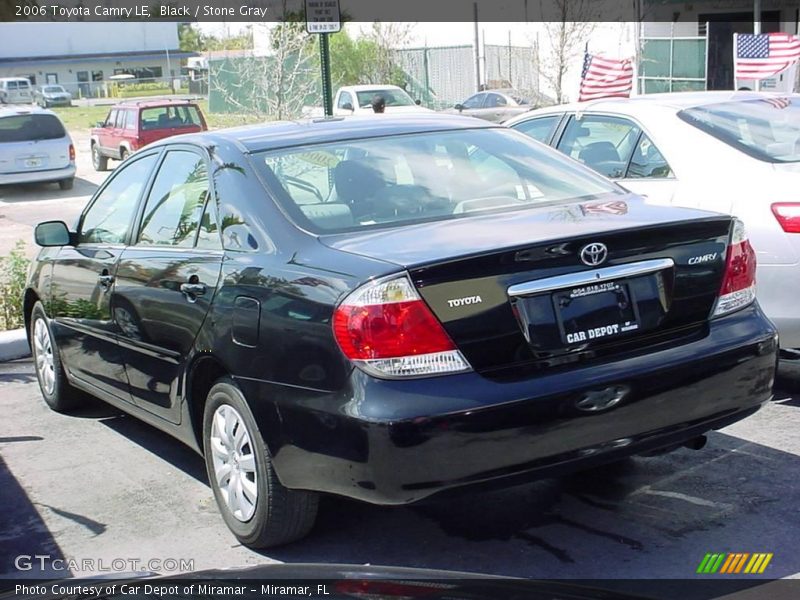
[132, 125]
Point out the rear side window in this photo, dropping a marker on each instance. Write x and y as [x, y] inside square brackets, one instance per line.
[539, 129]
[168, 117]
[22, 128]
[176, 201]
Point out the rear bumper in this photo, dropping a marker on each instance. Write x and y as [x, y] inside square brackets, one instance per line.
[397, 442]
[38, 176]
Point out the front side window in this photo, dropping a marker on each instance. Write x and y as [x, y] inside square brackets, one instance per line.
[176, 201]
[391, 181]
[109, 217]
[112, 118]
[475, 101]
[345, 98]
[495, 100]
[767, 129]
[601, 142]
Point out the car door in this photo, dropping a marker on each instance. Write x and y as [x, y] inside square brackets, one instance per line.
[166, 279]
[618, 148]
[344, 99]
[105, 136]
[83, 280]
[494, 108]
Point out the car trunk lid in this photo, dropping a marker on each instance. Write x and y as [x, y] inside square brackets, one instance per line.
[514, 290]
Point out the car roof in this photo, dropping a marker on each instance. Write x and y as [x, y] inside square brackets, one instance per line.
[284, 134]
[674, 101]
[24, 109]
[151, 103]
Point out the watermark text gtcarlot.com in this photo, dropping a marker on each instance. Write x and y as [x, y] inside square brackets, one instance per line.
[46, 562]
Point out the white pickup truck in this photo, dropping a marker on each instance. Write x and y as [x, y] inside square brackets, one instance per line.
[357, 100]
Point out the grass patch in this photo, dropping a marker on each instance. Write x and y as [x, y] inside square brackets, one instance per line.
[81, 117]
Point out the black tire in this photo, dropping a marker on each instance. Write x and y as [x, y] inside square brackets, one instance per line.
[66, 184]
[123, 154]
[63, 397]
[99, 162]
[281, 515]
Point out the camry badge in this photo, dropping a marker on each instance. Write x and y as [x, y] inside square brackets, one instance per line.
[594, 254]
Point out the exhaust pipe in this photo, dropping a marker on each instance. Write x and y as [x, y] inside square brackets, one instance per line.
[696, 443]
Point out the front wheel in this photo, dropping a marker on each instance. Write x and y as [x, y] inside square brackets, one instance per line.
[257, 508]
[56, 390]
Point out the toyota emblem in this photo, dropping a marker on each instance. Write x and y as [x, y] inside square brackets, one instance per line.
[594, 254]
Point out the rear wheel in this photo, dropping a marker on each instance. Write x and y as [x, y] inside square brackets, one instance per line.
[99, 162]
[123, 154]
[66, 184]
[56, 390]
[256, 507]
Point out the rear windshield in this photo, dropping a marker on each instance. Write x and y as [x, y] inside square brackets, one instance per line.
[166, 117]
[767, 128]
[392, 98]
[390, 181]
[23, 128]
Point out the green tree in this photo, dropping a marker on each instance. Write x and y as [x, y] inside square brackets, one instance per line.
[190, 39]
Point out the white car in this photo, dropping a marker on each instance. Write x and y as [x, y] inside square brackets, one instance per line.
[35, 148]
[357, 100]
[731, 152]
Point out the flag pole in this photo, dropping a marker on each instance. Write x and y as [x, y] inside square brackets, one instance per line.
[757, 30]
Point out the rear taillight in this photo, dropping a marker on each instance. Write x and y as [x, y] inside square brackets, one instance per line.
[387, 330]
[739, 283]
[788, 215]
[72, 153]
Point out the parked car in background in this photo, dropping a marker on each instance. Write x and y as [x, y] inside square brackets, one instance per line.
[52, 95]
[35, 147]
[130, 126]
[496, 106]
[732, 152]
[15, 90]
[357, 100]
[387, 309]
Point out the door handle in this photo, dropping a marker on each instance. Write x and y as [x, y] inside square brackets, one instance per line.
[193, 289]
[105, 281]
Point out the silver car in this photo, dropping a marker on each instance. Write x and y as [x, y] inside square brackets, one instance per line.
[730, 152]
[52, 95]
[496, 106]
[35, 147]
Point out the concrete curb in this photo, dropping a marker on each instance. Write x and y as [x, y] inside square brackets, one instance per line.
[13, 345]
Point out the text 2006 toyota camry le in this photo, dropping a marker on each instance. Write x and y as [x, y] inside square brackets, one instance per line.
[390, 309]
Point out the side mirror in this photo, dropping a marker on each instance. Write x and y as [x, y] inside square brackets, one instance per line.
[52, 233]
[459, 107]
[418, 102]
[348, 106]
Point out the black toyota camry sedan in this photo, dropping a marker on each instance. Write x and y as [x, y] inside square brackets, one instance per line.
[392, 308]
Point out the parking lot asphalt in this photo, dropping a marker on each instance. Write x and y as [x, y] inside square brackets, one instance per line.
[102, 485]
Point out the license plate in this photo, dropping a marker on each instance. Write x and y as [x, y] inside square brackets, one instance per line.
[595, 312]
[33, 162]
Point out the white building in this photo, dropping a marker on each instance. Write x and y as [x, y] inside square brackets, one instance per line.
[82, 56]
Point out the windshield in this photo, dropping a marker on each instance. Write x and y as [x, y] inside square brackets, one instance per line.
[23, 128]
[392, 97]
[53, 89]
[392, 181]
[767, 128]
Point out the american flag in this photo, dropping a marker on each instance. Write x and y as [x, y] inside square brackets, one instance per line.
[765, 54]
[605, 77]
[778, 102]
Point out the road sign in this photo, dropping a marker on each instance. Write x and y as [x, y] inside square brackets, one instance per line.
[322, 16]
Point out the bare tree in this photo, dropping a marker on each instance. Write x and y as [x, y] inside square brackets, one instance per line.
[564, 41]
[275, 86]
[387, 38]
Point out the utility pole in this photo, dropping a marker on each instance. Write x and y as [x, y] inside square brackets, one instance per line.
[477, 48]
